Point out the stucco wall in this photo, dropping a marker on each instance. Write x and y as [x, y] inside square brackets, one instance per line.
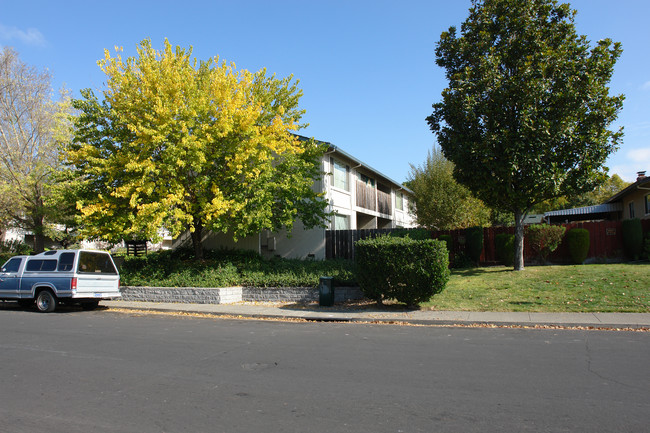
[638, 198]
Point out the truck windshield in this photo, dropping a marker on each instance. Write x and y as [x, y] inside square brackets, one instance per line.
[95, 263]
[12, 265]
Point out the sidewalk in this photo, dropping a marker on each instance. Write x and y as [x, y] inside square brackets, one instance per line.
[421, 317]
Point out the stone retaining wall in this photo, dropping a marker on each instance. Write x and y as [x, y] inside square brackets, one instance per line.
[227, 295]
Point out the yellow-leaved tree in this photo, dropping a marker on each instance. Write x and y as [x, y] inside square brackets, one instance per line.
[181, 145]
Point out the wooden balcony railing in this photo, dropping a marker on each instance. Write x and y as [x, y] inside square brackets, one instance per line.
[384, 203]
[373, 199]
[366, 196]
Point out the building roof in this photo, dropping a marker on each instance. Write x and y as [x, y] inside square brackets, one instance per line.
[587, 210]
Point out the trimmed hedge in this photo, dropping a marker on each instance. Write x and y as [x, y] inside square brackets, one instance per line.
[504, 244]
[404, 269]
[578, 242]
[632, 238]
[224, 268]
[474, 243]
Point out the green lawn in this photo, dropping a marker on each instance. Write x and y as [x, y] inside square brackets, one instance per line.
[583, 288]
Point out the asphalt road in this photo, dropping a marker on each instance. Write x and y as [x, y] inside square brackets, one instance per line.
[98, 371]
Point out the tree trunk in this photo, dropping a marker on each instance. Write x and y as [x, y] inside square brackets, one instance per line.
[197, 240]
[519, 240]
[39, 237]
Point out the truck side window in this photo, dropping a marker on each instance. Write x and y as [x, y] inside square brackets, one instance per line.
[65, 262]
[41, 265]
[12, 265]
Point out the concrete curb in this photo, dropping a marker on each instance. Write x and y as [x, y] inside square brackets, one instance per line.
[617, 321]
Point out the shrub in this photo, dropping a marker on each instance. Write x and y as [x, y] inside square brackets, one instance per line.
[646, 246]
[544, 239]
[578, 242]
[632, 238]
[474, 243]
[504, 244]
[401, 268]
[15, 247]
[462, 261]
[415, 234]
[448, 241]
[8, 249]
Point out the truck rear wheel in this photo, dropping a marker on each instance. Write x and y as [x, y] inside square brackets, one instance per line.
[45, 301]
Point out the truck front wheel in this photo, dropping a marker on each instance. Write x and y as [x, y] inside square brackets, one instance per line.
[45, 301]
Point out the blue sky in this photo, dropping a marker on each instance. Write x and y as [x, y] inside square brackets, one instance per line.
[367, 68]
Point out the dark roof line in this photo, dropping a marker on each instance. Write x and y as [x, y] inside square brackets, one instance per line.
[334, 148]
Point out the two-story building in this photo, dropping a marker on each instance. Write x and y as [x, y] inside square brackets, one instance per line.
[358, 196]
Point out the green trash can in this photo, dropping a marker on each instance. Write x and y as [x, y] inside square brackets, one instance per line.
[326, 291]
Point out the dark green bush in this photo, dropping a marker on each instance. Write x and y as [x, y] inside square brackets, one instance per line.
[448, 241]
[474, 243]
[415, 234]
[578, 242]
[401, 268]
[504, 244]
[646, 246]
[632, 238]
[462, 261]
[544, 239]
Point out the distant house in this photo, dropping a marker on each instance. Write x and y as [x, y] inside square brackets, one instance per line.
[635, 199]
[359, 197]
[631, 202]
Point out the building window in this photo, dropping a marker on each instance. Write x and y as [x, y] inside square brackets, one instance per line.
[399, 201]
[647, 204]
[630, 207]
[341, 222]
[340, 175]
[367, 180]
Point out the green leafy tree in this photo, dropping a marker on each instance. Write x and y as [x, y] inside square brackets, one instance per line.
[180, 145]
[526, 115]
[441, 203]
[32, 125]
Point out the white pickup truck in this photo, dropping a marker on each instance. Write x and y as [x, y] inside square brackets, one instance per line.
[75, 276]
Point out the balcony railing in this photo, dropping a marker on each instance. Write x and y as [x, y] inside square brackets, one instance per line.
[366, 196]
[384, 203]
[372, 199]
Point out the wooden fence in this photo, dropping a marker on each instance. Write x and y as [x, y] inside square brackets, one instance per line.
[606, 242]
[136, 248]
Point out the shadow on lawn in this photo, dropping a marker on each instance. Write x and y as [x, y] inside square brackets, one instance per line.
[471, 272]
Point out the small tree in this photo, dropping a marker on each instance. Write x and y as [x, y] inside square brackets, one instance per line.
[441, 203]
[544, 239]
